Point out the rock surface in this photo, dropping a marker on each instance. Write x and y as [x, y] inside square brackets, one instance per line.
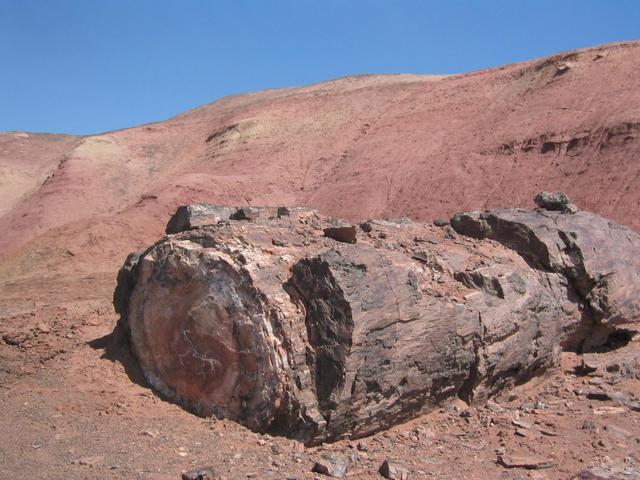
[322, 339]
[598, 257]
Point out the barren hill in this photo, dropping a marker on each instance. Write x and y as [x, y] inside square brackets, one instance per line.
[424, 147]
[396, 145]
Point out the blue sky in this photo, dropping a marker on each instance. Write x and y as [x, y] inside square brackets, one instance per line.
[86, 66]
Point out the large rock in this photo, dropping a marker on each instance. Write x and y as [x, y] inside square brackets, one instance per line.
[319, 339]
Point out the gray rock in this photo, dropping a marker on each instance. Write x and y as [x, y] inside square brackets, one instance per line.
[394, 470]
[202, 473]
[530, 462]
[253, 213]
[555, 201]
[439, 222]
[332, 465]
[197, 215]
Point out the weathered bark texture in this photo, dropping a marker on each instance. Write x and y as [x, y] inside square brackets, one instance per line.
[273, 324]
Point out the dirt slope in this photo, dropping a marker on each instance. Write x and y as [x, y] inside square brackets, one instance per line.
[366, 146]
[397, 145]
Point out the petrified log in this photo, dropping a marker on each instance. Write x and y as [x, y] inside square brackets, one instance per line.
[274, 324]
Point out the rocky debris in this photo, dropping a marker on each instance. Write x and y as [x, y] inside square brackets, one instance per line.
[394, 470]
[196, 215]
[610, 395]
[531, 462]
[555, 201]
[629, 368]
[332, 465]
[335, 339]
[610, 471]
[202, 473]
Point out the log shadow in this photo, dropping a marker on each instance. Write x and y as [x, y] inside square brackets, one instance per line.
[117, 348]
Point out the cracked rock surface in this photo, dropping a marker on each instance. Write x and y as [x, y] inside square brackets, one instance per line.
[319, 339]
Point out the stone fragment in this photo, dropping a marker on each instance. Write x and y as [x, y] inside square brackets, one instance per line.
[588, 366]
[521, 424]
[440, 222]
[332, 465]
[197, 215]
[530, 462]
[202, 473]
[366, 227]
[603, 396]
[92, 461]
[253, 213]
[554, 201]
[632, 405]
[345, 233]
[43, 328]
[610, 471]
[394, 470]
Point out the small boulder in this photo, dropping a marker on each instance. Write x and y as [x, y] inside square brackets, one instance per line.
[394, 470]
[251, 214]
[203, 473]
[332, 465]
[555, 201]
[343, 233]
[587, 366]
